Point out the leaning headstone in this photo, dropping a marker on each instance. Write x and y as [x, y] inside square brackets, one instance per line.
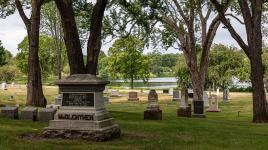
[58, 99]
[10, 112]
[165, 91]
[83, 113]
[29, 113]
[213, 104]
[46, 114]
[205, 99]
[176, 95]
[115, 93]
[153, 111]
[185, 108]
[133, 96]
[4, 86]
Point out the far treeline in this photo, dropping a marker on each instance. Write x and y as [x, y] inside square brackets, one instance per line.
[189, 26]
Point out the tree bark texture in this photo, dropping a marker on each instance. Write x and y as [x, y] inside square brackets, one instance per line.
[35, 96]
[94, 42]
[71, 37]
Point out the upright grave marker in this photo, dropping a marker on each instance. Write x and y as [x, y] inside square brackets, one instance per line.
[153, 111]
[83, 113]
[133, 96]
[185, 108]
[213, 104]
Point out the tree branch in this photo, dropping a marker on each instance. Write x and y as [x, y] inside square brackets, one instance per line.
[25, 19]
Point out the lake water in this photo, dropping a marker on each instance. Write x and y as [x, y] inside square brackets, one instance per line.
[153, 83]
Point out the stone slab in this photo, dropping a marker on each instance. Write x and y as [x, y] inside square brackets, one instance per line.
[109, 133]
[29, 113]
[153, 115]
[133, 96]
[10, 112]
[184, 112]
[46, 114]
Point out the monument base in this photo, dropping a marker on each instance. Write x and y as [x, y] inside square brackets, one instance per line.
[199, 116]
[92, 135]
[184, 112]
[153, 114]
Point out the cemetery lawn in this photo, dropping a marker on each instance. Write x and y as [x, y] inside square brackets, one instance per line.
[224, 130]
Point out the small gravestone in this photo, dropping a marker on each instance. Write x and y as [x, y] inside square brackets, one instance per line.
[58, 99]
[46, 114]
[176, 95]
[12, 84]
[213, 104]
[170, 92]
[185, 108]
[153, 111]
[4, 86]
[133, 96]
[29, 113]
[106, 90]
[10, 112]
[205, 99]
[115, 93]
[165, 91]
[83, 114]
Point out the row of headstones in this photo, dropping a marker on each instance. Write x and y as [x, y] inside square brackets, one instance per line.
[153, 111]
[29, 113]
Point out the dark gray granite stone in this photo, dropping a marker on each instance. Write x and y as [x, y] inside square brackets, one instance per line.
[10, 112]
[29, 113]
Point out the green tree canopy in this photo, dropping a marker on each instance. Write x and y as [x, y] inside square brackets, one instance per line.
[127, 61]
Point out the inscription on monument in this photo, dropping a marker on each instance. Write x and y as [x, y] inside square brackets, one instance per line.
[75, 117]
[78, 99]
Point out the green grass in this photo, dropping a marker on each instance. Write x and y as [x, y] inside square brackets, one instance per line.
[223, 130]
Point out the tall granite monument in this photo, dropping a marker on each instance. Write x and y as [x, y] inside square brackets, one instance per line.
[83, 113]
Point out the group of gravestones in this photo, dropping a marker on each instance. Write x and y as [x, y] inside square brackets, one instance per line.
[82, 112]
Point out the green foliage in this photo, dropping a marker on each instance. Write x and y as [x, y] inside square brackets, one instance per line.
[226, 63]
[47, 56]
[127, 61]
[162, 65]
[5, 55]
[8, 72]
[182, 73]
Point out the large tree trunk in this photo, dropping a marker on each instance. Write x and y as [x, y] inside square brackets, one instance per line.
[260, 114]
[71, 37]
[35, 96]
[94, 42]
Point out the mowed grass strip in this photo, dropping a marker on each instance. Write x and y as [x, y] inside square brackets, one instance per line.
[223, 130]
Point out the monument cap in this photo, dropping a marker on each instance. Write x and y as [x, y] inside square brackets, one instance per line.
[82, 79]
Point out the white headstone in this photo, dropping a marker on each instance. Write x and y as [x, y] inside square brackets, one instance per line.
[205, 99]
[218, 92]
[170, 92]
[106, 90]
[12, 84]
[4, 86]
[115, 93]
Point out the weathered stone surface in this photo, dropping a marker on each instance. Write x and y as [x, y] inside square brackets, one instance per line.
[47, 114]
[115, 93]
[133, 96]
[213, 104]
[58, 99]
[83, 113]
[205, 99]
[153, 114]
[199, 109]
[153, 111]
[108, 134]
[29, 113]
[4, 86]
[176, 95]
[10, 112]
[184, 111]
